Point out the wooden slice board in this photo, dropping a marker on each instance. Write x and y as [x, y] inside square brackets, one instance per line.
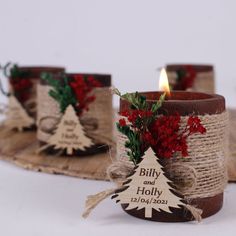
[20, 148]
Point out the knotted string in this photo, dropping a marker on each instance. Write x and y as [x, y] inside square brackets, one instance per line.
[117, 173]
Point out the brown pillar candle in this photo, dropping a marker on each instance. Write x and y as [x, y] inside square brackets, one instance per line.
[97, 120]
[192, 77]
[209, 168]
[23, 82]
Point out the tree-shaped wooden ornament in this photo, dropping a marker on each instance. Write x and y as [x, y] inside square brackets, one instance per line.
[70, 133]
[149, 188]
[16, 116]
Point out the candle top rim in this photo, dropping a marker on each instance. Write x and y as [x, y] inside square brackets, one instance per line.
[104, 79]
[87, 74]
[208, 104]
[34, 72]
[197, 67]
[182, 96]
[39, 68]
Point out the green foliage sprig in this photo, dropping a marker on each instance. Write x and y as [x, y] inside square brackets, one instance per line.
[134, 133]
[138, 101]
[61, 91]
[133, 143]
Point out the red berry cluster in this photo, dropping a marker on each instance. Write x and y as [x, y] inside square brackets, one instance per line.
[163, 134]
[169, 139]
[135, 115]
[81, 87]
[186, 81]
[122, 122]
[21, 88]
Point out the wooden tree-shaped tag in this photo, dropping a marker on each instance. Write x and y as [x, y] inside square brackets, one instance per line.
[70, 133]
[16, 115]
[149, 188]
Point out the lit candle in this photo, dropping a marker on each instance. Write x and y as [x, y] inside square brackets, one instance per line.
[210, 109]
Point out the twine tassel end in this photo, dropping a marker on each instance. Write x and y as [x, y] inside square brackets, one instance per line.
[196, 212]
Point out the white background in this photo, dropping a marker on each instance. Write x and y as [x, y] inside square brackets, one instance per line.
[129, 39]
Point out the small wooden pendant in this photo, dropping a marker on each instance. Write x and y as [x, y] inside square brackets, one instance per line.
[16, 116]
[149, 188]
[69, 133]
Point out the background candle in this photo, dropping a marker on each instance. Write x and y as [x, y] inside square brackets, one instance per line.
[192, 77]
[23, 82]
[96, 118]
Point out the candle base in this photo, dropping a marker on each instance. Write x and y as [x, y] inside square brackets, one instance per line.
[209, 205]
[187, 104]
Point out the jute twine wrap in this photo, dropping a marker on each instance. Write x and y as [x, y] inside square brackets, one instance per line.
[232, 119]
[203, 82]
[232, 145]
[97, 121]
[204, 172]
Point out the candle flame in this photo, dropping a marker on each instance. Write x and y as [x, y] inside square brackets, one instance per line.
[163, 82]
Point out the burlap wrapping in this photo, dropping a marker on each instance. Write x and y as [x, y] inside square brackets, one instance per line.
[232, 145]
[97, 121]
[203, 82]
[204, 172]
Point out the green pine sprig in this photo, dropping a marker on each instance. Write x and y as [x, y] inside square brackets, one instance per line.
[139, 101]
[61, 91]
[15, 72]
[134, 142]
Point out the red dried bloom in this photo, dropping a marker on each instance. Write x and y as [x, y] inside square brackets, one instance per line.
[124, 113]
[164, 134]
[187, 75]
[82, 87]
[169, 139]
[134, 116]
[122, 122]
[148, 139]
[165, 131]
[21, 88]
[195, 126]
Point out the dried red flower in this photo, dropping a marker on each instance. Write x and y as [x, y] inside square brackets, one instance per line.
[21, 88]
[82, 87]
[187, 75]
[122, 122]
[168, 136]
[164, 134]
[134, 116]
[194, 124]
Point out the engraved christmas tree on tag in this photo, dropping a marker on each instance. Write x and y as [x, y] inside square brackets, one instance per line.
[149, 188]
[70, 134]
[16, 116]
